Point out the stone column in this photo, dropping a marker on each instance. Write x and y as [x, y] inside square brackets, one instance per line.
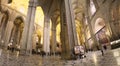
[13, 35]
[90, 27]
[95, 44]
[31, 27]
[1, 16]
[84, 33]
[46, 35]
[34, 42]
[68, 30]
[19, 34]
[86, 41]
[53, 45]
[8, 33]
[28, 28]
[18, 37]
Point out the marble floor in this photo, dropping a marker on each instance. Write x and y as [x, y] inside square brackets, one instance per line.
[111, 58]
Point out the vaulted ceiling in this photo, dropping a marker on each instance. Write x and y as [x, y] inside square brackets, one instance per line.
[49, 6]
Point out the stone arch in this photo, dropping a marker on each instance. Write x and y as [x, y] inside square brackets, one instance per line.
[16, 33]
[55, 15]
[99, 24]
[20, 20]
[100, 30]
[53, 39]
[78, 10]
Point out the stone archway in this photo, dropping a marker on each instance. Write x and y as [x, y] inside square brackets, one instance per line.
[17, 30]
[100, 30]
[55, 30]
[99, 24]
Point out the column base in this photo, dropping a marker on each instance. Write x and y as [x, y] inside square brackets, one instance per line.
[25, 52]
[67, 57]
[29, 52]
[3, 47]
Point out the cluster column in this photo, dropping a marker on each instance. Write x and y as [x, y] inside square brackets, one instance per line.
[8, 33]
[46, 35]
[68, 29]
[53, 41]
[26, 42]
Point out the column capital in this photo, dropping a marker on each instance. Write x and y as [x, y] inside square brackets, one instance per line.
[46, 19]
[32, 3]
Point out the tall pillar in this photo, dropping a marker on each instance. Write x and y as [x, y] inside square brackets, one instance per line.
[90, 27]
[53, 45]
[34, 42]
[84, 32]
[13, 35]
[68, 31]
[18, 37]
[26, 41]
[8, 33]
[95, 44]
[46, 34]
[1, 16]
